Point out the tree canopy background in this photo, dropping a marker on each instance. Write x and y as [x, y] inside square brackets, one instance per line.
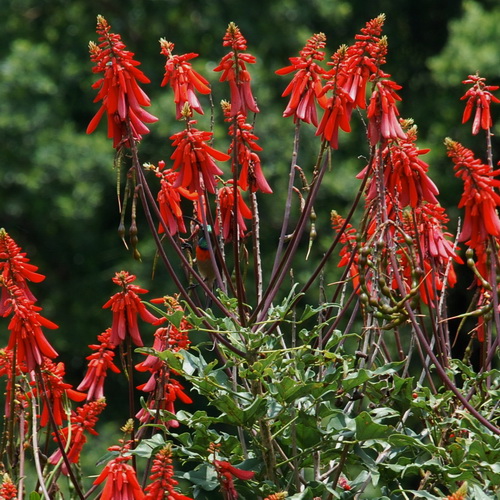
[57, 185]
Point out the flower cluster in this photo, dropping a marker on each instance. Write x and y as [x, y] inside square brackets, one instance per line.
[72, 437]
[122, 98]
[245, 147]
[162, 476]
[126, 305]
[479, 96]
[98, 365]
[194, 159]
[169, 200]
[306, 88]
[479, 198]
[235, 72]
[183, 79]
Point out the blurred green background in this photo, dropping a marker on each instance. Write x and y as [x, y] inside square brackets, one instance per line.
[57, 185]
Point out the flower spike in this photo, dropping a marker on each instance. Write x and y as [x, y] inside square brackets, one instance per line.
[122, 98]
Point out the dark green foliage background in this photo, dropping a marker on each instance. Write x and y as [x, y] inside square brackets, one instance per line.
[57, 185]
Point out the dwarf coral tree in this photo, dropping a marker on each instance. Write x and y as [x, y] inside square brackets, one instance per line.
[253, 389]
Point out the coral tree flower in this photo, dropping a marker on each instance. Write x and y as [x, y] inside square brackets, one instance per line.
[479, 197]
[479, 96]
[305, 89]
[8, 490]
[26, 334]
[383, 114]
[98, 365]
[183, 79]
[15, 268]
[121, 481]
[226, 472]
[126, 305]
[244, 141]
[353, 67]
[169, 200]
[84, 420]
[162, 477]
[55, 391]
[234, 71]
[194, 159]
[122, 98]
[348, 254]
[405, 173]
[227, 206]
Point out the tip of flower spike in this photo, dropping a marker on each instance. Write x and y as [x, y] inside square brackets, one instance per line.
[101, 22]
[128, 427]
[166, 45]
[450, 143]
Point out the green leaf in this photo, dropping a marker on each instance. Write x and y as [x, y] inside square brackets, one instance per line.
[148, 447]
[34, 496]
[366, 428]
[422, 494]
[205, 477]
[355, 379]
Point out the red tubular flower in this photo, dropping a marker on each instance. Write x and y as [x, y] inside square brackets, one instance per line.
[195, 160]
[119, 91]
[183, 79]
[99, 363]
[121, 481]
[479, 96]
[362, 60]
[305, 89]
[226, 205]
[251, 176]
[234, 71]
[348, 239]
[56, 391]
[162, 476]
[9, 370]
[382, 113]
[405, 174]
[84, 420]
[15, 267]
[225, 473]
[479, 197]
[337, 115]
[8, 490]
[169, 200]
[25, 327]
[126, 305]
[166, 390]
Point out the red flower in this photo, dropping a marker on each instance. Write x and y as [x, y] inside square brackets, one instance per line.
[126, 305]
[183, 79]
[16, 269]
[479, 197]
[348, 239]
[234, 71]
[382, 113]
[25, 327]
[169, 200]
[195, 160]
[247, 159]
[226, 206]
[405, 174]
[99, 363]
[480, 97]
[337, 114]
[362, 60]
[121, 481]
[305, 88]
[56, 392]
[162, 476]
[119, 91]
[8, 490]
[83, 420]
[225, 473]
